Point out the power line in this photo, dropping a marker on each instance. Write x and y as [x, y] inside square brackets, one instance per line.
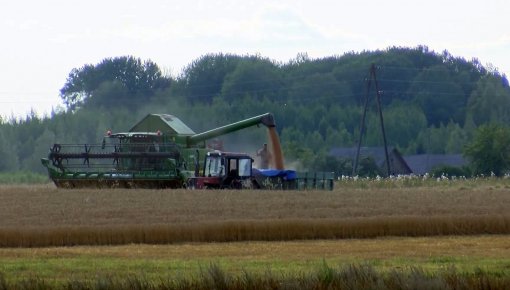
[281, 87]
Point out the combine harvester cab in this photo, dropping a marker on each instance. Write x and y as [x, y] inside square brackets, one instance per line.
[160, 151]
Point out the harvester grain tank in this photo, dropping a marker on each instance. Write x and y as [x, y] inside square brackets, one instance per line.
[160, 151]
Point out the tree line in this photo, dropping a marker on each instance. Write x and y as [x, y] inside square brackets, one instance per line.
[432, 102]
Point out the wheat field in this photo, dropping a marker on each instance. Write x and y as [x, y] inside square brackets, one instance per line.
[39, 206]
[38, 216]
[152, 235]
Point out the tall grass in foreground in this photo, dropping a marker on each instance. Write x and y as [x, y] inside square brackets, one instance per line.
[325, 277]
[257, 230]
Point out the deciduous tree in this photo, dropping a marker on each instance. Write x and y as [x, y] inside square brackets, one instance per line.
[489, 152]
[122, 81]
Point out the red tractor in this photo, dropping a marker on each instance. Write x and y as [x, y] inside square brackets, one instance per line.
[225, 170]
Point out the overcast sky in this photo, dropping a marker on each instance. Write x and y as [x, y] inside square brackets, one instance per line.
[41, 41]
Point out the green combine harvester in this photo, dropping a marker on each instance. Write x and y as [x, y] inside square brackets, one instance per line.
[160, 151]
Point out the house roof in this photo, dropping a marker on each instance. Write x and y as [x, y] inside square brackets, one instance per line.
[375, 152]
[418, 164]
[378, 154]
[424, 163]
[165, 123]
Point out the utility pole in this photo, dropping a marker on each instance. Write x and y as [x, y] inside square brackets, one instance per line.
[363, 117]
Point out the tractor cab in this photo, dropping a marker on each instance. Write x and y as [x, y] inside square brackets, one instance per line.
[225, 170]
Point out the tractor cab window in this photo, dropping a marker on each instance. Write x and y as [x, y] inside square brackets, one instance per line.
[244, 167]
[214, 166]
[232, 164]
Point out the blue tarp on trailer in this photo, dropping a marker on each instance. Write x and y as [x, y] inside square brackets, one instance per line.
[285, 174]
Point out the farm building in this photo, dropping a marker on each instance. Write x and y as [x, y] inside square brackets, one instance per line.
[397, 163]
[425, 163]
[418, 164]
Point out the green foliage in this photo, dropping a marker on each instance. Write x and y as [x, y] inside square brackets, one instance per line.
[489, 152]
[367, 167]
[347, 276]
[439, 96]
[120, 81]
[23, 177]
[8, 155]
[202, 80]
[489, 101]
[402, 133]
[257, 78]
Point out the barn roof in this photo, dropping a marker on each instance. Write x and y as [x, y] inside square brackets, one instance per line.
[378, 154]
[424, 163]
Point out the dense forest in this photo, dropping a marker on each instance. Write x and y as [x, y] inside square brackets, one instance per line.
[432, 103]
